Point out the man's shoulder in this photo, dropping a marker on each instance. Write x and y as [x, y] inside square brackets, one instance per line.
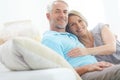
[53, 36]
[50, 35]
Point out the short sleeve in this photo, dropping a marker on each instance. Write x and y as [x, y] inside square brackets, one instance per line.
[97, 34]
[98, 27]
[54, 45]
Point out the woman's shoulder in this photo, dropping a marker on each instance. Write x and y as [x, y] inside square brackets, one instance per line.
[98, 28]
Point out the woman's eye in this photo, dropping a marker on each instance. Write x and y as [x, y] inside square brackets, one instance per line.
[71, 25]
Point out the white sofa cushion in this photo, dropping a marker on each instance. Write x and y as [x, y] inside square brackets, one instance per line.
[47, 74]
[3, 68]
[22, 53]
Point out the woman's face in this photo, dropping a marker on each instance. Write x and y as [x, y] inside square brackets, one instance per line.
[77, 26]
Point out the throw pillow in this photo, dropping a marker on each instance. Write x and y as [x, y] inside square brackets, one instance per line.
[22, 53]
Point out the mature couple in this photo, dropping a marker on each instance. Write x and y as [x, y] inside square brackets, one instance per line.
[80, 51]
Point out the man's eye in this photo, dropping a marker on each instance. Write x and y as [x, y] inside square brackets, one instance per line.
[80, 21]
[66, 12]
[57, 11]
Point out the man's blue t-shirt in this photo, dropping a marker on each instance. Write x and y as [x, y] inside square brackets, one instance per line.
[62, 43]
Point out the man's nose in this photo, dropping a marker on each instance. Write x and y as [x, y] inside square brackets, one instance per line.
[62, 14]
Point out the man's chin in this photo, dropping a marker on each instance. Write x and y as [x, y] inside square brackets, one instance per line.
[61, 26]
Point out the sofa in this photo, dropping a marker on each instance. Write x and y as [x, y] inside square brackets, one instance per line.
[46, 74]
[23, 57]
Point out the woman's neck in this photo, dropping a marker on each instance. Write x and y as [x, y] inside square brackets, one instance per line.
[87, 39]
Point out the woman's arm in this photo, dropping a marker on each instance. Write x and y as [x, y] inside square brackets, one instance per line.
[109, 42]
[109, 46]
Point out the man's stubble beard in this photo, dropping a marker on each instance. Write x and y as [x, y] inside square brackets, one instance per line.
[60, 27]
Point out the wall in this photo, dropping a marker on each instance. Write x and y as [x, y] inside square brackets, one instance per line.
[94, 10]
[112, 14]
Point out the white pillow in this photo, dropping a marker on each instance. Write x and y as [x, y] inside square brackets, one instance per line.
[23, 28]
[26, 54]
[3, 68]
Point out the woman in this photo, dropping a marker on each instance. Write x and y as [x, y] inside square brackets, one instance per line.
[100, 41]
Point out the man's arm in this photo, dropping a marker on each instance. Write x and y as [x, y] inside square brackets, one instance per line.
[92, 67]
[54, 45]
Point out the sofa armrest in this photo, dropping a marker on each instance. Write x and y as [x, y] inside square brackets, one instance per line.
[47, 74]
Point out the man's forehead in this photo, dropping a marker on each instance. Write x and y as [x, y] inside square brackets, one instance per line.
[60, 6]
[60, 2]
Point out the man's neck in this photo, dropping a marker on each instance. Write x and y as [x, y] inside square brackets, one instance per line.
[58, 30]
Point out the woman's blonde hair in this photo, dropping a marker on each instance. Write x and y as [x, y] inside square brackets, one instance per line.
[76, 13]
[73, 12]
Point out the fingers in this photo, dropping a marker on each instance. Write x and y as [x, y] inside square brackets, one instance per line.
[77, 52]
[104, 64]
[74, 52]
[95, 67]
[99, 66]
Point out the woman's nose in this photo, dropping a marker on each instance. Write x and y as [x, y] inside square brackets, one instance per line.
[78, 25]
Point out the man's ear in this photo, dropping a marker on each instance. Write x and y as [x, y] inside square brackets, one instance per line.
[48, 16]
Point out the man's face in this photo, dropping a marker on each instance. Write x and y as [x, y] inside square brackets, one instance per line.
[59, 15]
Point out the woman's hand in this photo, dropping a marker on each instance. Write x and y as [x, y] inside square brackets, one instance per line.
[77, 52]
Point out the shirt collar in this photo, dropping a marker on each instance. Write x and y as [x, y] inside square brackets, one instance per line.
[57, 33]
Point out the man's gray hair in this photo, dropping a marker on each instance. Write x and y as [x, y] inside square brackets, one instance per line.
[50, 5]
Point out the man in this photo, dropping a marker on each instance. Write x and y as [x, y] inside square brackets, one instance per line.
[62, 42]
